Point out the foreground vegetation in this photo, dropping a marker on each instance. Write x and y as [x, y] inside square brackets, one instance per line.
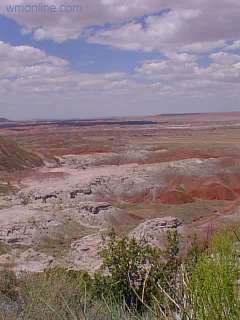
[136, 281]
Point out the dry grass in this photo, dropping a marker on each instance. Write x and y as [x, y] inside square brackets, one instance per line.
[174, 139]
[3, 248]
[59, 240]
[187, 213]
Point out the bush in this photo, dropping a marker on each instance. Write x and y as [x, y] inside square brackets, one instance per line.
[213, 284]
[137, 281]
[133, 270]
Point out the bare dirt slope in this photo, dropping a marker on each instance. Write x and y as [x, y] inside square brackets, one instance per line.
[13, 157]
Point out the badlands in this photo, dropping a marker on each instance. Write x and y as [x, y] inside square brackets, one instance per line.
[65, 183]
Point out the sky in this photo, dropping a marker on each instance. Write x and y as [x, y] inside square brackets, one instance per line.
[103, 58]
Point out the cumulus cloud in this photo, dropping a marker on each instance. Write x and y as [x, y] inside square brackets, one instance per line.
[156, 33]
[234, 46]
[195, 26]
[199, 41]
[198, 27]
[183, 74]
[19, 60]
[28, 70]
[204, 47]
[61, 26]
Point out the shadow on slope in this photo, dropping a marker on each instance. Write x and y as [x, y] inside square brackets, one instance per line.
[13, 157]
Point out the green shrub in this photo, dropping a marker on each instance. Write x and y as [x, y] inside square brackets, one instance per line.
[137, 281]
[213, 284]
[8, 285]
[194, 252]
[133, 270]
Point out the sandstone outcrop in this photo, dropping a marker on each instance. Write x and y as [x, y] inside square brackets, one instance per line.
[26, 261]
[84, 253]
[154, 230]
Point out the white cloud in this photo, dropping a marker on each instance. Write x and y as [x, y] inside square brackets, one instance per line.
[157, 33]
[63, 26]
[234, 46]
[223, 58]
[26, 71]
[199, 27]
[183, 75]
[194, 26]
[204, 47]
[31, 78]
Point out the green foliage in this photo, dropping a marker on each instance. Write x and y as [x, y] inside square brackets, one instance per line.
[194, 252]
[133, 270]
[137, 281]
[213, 285]
[55, 294]
[171, 255]
[8, 285]
[61, 294]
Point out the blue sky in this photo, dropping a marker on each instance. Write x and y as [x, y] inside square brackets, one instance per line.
[85, 57]
[119, 58]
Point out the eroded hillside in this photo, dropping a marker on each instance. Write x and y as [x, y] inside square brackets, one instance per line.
[174, 173]
[13, 157]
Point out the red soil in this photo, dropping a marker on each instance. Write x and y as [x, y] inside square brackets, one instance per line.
[184, 189]
[208, 188]
[175, 197]
[213, 191]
